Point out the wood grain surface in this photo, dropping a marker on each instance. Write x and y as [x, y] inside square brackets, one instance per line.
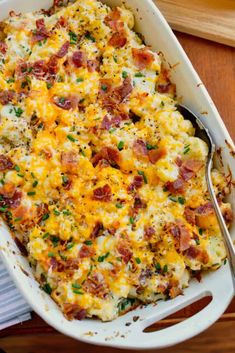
[215, 64]
[211, 19]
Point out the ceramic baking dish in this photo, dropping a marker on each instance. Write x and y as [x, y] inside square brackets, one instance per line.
[157, 33]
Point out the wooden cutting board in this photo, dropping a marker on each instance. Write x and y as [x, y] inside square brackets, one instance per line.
[210, 19]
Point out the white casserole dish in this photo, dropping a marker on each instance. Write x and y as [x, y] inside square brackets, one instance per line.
[157, 33]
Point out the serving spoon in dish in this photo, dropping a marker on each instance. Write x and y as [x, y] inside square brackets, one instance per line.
[202, 132]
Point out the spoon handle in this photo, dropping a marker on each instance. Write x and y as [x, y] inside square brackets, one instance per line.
[223, 228]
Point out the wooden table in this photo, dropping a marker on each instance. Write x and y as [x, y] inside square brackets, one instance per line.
[215, 64]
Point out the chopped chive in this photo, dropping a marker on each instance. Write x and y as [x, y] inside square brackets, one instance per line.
[3, 209]
[18, 112]
[67, 213]
[186, 148]
[82, 152]
[31, 193]
[76, 286]
[56, 213]
[17, 168]
[165, 268]
[104, 88]
[46, 235]
[140, 172]
[55, 240]
[45, 216]
[47, 288]
[71, 138]
[173, 199]
[11, 80]
[35, 183]
[158, 266]
[20, 175]
[77, 291]
[79, 79]
[115, 59]
[17, 219]
[131, 219]
[200, 231]
[139, 74]
[124, 74]
[112, 130]
[102, 258]
[63, 257]
[165, 189]
[90, 37]
[32, 174]
[119, 205]
[73, 37]
[65, 179]
[225, 261]
[137, 260]
[150, 147]
[88, 242]
[162, 104]
[49, 85]
[120, 145]
[197, 241]
[181, 200]
[70, 245]
[51, 254]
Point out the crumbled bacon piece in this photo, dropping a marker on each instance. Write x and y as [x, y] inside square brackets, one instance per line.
[86, 251]
[164, 87]
[156, 154]
[125, 252]
[41, 32]
[21, 247]
[194, 252]
[42, 209]
[13, 201]
[149, 232]
[103, 193]
[92, 65]
[124, 90]
[136, 184]
[5, 163]
[7, 96]
[139, 203]
[190, 215]
[62, 22]
[21, 69]
[118, 39]
[3, 47]
[113, 21]
[79, 59]
[142, 58]
[66, 103]
[107, 122]
[164, 84]
[189, 168]
[95, 284]
[176, 187]
[181, 236]
[39, 69]
[63, 50]
[67, 185]
[74, 311]
[97, 230]
[69, 161]
[52, 66]
[140, 149]
[108, 155]
[8, 190]
[105, 87]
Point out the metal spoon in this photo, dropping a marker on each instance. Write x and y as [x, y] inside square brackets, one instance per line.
[202, 132]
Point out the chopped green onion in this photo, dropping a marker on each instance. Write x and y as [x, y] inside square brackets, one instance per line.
[17, 219]
[158, 266]
[73, 37]
[132, 221]
[165, 268]
[90, 37]
[47, 288]
[11, 80]
[112, 130]
[46, 235]
[77, 291]
[51, 254]
[79, 79]
[70, 245]
[55, 240]
[76, 286]
[137, 260]
[162, 104]
[88, 242]
[140, 172]
[120, 145]
[181, 200]
[186, 149]
[35, 183]
[104, 88]
[31, 193]
[17, 168]
[200, 230]
[150, 147]
[20, 175]
[139, 74]
[67, 213]
[124, 74]
[49, 85]
[56, 213]
[102, 258]
[45, 216]
[119, 205]
[18, 112]
[197, 241]
[71, 138]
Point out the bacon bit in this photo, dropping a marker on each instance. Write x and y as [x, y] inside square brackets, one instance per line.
[144, 275]
[190, 215]
[107, 122]
[155, 155]
[93, 65]
[136, 184]
[7, 96]
[62, 22]
[113, 21]
[21, 69]
[189, 168]
[125, 252]
[42, 209]
[70, 102]
[205, 209]
[69, 161]
[142, 58]
[198, 275]
[164, 84]
[194, 252]
[13, 201]
[98, 228]
[74, 311]
[3, 47]
[21, 247]
[67, 185]
[79, 59]
[96, 285]
[124, 90]
[39, 69]
[105, 87]
[181, 236]
[108, 155]
[176, 187]
[5, 163]
[178, 162]
[118, 39]
[41, 32]
[63, 50]
[228, 215]
[103, 193]
[140, 149]
[174, 292]
[47, 152]
[8, 190]
[149, 232]
[52, 66]
[86, 251]
[138, 203]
